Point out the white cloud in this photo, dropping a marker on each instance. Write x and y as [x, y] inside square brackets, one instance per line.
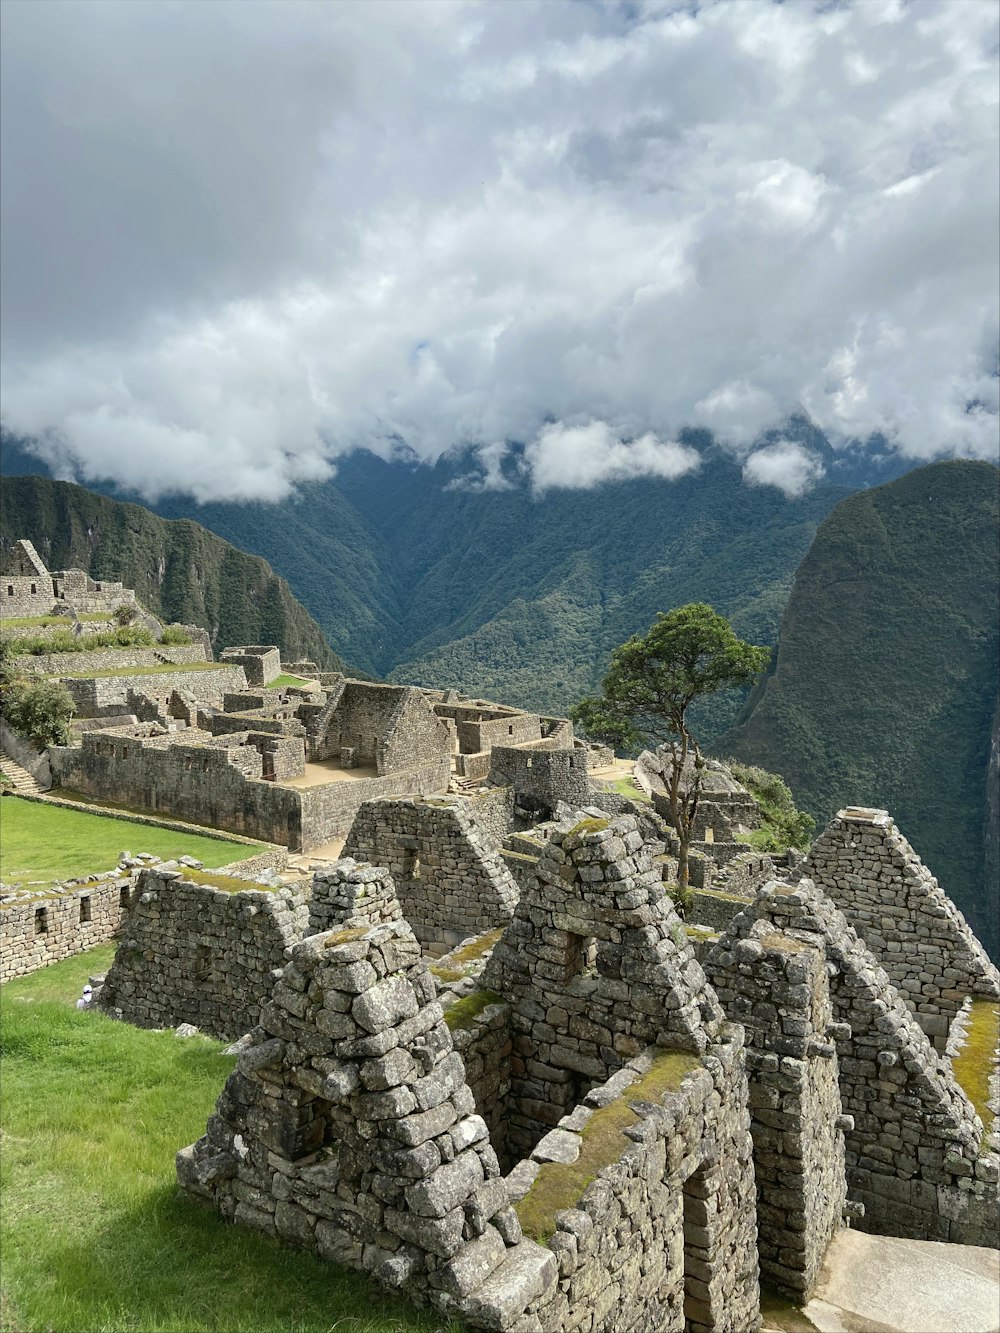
[581, 457]
[267, 235]
[786, 465]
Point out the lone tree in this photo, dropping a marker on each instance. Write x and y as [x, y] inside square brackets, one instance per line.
[651, 683]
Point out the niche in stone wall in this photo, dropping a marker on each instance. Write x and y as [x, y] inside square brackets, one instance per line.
[123, 897]
[85, 911]
[580, 955]
[41, 920]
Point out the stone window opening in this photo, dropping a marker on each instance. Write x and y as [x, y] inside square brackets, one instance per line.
[510, 729]
[123, 897]
[581, 955]
[85, 911]
[34, 587]
[41, 920]
[411, 865]
[10, 590]
[202, 961]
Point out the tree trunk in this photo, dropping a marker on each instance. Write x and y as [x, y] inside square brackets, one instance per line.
[682, 862]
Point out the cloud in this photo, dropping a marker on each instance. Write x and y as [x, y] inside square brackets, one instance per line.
[581, 457]
[240, 241]
[786, 465]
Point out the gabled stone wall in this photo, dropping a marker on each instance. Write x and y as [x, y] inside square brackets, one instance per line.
[196, 953]
[866, 866]
[450, 879]
[916, 1158]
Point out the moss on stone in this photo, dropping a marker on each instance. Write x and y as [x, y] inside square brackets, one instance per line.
[227, 883]
[974, 1062]
[345, 936]
[463, 1013]
[588, 826]
[559, 1185]
[783, 942]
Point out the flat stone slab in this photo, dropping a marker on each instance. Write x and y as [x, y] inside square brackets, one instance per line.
[882, 1284]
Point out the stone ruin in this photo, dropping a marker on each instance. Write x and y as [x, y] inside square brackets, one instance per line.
[569, 1123]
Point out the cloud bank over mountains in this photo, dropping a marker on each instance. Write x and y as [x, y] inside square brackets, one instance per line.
[241, 240]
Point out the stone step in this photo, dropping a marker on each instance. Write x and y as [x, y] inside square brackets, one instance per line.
[22, 781]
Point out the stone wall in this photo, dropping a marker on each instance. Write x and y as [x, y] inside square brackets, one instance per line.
[542, 778]
[391, 727]
[917, 1164]
[451, 880]
[349, 1129]
[777, 987]
[25, 755]
[111, 659]
[46, 927]
[25, 595]
[346, 895]
[200, 782]
[595, 935]
[102, 694]
[482, 1038]
[261, 663]
[197, 953]
[919, 936]
[328, 811]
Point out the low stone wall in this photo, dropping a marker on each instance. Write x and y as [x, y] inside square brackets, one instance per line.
[328, 812]
[493, 810]
[201, 954]
[710, 908]
[47, 927]
[110, 659]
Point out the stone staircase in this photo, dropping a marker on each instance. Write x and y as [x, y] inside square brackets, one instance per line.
[23, 783]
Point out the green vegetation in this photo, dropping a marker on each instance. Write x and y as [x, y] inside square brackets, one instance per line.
[39, 841]
[123, 636]
[884, 686]
[974, 1062]
[464, 1012]
[559, 1185]
[39, 709]
[587, 826]
[95, 1233]
[284, 682]
[460, 961]
[652, 682]
[182, 572]
[227, 883]
[782, 825]
[32, 622]
[627, 787]
[174, 636]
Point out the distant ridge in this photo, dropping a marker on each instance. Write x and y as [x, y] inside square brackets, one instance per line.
[884, 687]
[179, 569]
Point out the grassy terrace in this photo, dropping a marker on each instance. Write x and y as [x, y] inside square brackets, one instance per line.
[284, 682]
[48, 842]
[31, 622]
[94, 1232]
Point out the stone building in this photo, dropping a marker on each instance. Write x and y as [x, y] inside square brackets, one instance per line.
[28, 589]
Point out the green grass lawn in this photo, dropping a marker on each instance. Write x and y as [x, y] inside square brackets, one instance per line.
[47, 842]
[284, 681]
[95, 1234]
[628, 787]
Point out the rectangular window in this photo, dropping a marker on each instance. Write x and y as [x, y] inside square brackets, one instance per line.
[41, 920]
[123, 898]
[33, 588]
[84, 911]
[581, 954]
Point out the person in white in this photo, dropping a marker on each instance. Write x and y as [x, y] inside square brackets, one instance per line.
[85, 999]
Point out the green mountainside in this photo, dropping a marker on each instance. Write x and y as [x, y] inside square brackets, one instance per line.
[179, 570]
[883, 690]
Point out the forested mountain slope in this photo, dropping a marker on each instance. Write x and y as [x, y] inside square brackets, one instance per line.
[179, 570]
[883, 690]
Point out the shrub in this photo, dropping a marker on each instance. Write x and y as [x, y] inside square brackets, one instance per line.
[39, 710]
[175, 635]
[783, 825]
[125, 614]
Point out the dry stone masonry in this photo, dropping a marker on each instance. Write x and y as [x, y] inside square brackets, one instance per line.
[200, 948]
[916, 932]
[450, 879]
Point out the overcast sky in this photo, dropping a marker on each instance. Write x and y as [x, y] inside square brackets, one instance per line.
[240, 239]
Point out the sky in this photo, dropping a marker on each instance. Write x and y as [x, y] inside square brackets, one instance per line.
[240, 240]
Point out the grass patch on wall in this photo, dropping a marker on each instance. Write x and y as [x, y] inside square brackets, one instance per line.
[627, 787]
[49, 842]
[95, 1233]
[285, 682]
[974, 1062]
[161, 669]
